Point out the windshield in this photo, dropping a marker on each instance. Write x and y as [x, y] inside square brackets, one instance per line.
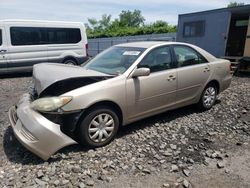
[115, 60]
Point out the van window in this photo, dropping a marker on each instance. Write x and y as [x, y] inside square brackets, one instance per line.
[63, 35]
[27, 36]
[1, 40]
[39, 36]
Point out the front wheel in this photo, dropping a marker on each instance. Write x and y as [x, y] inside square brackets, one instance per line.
[208, 97]
[99, 127]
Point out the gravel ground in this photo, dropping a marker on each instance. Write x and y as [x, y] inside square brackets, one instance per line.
[180, 148]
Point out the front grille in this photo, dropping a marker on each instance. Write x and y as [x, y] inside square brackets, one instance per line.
[26, 134]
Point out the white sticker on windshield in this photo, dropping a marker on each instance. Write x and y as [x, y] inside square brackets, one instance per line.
[131, 53]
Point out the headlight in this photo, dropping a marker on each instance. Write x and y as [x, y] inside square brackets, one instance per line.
[49, 104]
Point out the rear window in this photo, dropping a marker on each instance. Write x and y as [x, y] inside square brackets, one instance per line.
[187, 56]
[39, 36]
[1, 40]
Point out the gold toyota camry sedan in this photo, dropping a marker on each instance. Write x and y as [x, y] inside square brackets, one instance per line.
[123, 84]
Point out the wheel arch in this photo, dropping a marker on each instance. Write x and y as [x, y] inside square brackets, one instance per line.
[70, 58]
[110, 104]
[216, 83]
[211, 82]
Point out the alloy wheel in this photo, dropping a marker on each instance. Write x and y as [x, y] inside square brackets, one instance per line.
[209, 96]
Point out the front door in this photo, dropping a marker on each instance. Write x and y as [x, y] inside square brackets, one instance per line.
[192, 73]
[3, 51]
[154, 93]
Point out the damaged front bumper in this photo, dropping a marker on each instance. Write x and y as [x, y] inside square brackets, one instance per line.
[35, 132]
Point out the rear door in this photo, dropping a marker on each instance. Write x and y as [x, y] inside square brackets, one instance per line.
[3, 51]
[192, 73]
[27, 46]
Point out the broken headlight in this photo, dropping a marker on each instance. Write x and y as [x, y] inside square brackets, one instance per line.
[50, 104]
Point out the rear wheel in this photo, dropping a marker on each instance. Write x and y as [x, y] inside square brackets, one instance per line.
[208, 97]
[99, 127]
[70, 62]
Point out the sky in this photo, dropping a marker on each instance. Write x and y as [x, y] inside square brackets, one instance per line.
[81, 10]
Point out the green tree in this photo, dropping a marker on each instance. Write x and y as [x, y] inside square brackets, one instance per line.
[234, 4]
[128, 23]
[101, 24]
[93, 23]
[104, 23]
[160, 23]
[131, 18]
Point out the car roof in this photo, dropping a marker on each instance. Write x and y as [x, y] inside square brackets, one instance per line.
[22, 21]
[146, 44]
[143, 44]
[149, 44]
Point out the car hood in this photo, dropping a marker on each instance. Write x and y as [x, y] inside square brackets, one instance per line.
[46, 74]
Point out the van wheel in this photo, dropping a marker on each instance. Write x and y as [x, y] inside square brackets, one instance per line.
[208, 97]
[98, 128]
[70, 62]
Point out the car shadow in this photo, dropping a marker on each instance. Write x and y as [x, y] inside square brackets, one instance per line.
[243, 74]
[16, 153]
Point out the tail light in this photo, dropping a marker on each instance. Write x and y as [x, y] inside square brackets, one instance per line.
[232, 68]
[87, 47]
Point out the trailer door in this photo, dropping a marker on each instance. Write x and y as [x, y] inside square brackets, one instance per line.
[247, 44]
[237, 35]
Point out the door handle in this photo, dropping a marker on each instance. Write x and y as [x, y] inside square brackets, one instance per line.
[3, 51]
[206, 69]
[171, 77]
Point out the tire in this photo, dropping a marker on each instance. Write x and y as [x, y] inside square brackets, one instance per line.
[70, 62]
[208, 97]
[91, 124]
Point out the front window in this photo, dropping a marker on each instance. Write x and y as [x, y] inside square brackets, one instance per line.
[115, 60]
[157, 60]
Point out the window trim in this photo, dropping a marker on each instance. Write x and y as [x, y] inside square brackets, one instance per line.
[173, 64]
[190, 23]
[182, 45]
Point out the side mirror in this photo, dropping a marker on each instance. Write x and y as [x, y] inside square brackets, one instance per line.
[141, 72]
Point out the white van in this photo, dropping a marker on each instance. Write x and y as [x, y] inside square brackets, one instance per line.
[24, 43]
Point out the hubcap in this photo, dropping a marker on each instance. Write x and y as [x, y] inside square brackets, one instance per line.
[209, 96]
[101, 127]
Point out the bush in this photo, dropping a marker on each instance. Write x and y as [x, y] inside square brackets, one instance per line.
[129, 23]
